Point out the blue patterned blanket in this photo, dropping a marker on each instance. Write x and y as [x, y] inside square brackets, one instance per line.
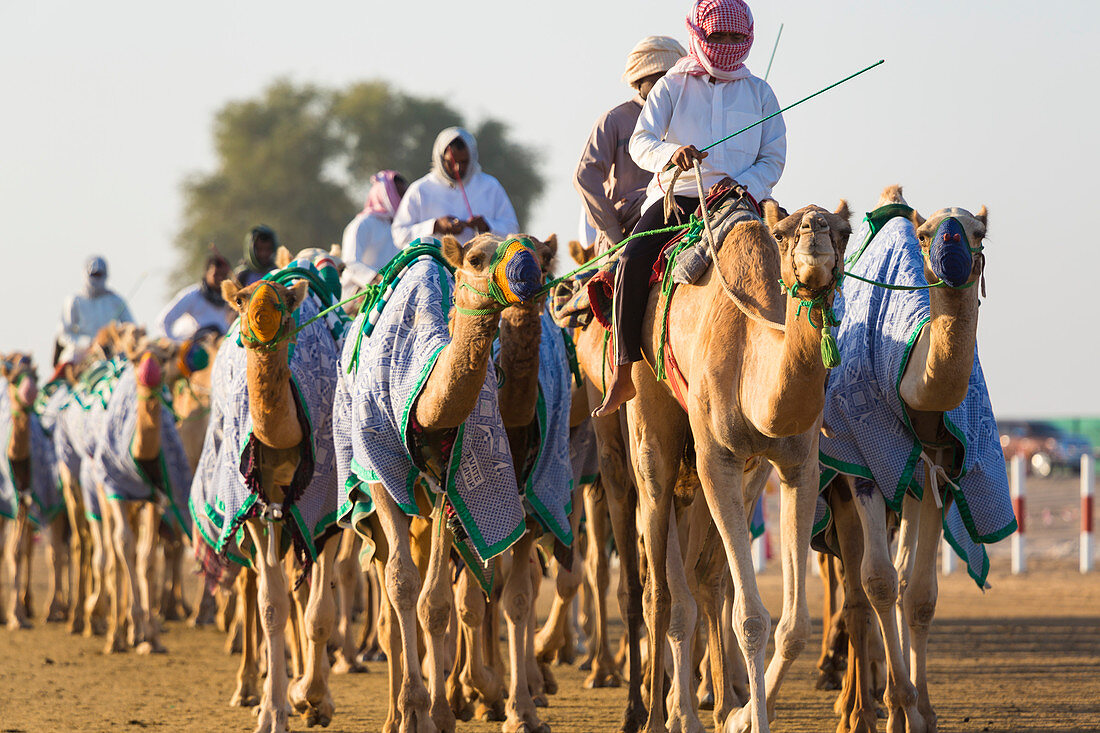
[380, 377]
[872, 437]
[122, 477]
[226, 490]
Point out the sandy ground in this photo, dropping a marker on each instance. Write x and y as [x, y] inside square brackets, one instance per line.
[1024, 656]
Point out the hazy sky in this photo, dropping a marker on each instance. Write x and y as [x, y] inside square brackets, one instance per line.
[108, 105]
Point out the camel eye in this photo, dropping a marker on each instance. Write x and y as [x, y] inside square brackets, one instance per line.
[475, 260]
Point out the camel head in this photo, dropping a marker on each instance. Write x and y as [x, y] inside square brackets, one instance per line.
[266, 309]
[811, 243]
[115, 339]
[951, 241]
[22, 378]
[154, 359]
[580, 253]
[492, 272]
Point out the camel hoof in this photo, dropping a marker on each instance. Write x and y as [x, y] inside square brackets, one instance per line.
[549, 681]
[16, 624]
[706, 702]
[540, 701]
[57, 613]
[269, 720]
[313, 712]
[585, 666]
[151, 647]
[490, 714]
[828, 680]
[245, 696]
[116, 646]
[602, 678]
[739, 721]
[343, 666]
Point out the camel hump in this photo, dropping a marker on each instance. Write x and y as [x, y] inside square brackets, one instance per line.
[891, 195]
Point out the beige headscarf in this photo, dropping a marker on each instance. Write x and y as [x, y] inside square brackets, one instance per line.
[652, 55]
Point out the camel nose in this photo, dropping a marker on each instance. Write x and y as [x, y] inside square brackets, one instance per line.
[523, 275]
[812, 223]
[28, 390]
[949, 253]
[148, 371]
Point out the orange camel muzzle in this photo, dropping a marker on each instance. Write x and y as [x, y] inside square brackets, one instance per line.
[264, 315]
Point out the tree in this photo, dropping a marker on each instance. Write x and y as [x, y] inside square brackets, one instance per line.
[293, 157]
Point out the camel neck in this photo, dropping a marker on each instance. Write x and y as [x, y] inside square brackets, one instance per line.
[19, 444]
[146, 442]
[947, 354]
[271, 399]
[520, 334]
[452, 389]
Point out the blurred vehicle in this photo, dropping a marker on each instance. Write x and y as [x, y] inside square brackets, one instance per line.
[1045, 448]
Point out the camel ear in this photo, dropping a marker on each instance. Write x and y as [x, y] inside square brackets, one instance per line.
[452, 251]
[5, 366]
[773, 214]
[550, 252]
[298, 292]
[983, 217]
[917, 219]
[577, 252]
[282, 257]
[842, 210]
[230, 289]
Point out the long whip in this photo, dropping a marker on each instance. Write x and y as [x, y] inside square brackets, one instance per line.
[770, 60]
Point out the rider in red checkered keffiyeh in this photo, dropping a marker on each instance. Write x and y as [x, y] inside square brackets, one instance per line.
[723, 61]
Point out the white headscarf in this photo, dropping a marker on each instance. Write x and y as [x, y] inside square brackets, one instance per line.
[442, 140]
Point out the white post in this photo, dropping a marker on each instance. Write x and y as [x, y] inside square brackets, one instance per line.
[815, 568]
[947, 557]
[1088, 488]
[1019, 495]
[760, 553]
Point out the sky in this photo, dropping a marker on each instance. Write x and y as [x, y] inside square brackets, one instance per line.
[108, 106]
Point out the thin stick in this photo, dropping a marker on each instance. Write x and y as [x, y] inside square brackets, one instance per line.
[789, 106]
[777, 37]
[462, 188]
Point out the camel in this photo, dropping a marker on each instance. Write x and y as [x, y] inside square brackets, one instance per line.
[938, 375]
[744, 389]
[436, 405]
[272, 393]
[28, 495]
[142, 476]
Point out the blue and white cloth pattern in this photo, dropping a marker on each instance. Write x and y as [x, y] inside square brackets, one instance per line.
[45, 493]
[115, 468]
[380, 377]
[225, 490]
[871, 434]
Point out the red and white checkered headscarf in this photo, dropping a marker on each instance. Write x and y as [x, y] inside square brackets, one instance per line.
[382, 199]
[723, 61]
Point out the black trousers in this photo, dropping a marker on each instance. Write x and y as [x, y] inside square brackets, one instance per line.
[632, 276]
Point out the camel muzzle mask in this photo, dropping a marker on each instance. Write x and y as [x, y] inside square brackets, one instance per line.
[950, 255]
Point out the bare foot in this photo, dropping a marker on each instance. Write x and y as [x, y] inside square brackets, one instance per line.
[619, 391]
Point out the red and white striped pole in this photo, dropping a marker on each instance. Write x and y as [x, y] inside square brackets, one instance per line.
[1088, 488]
[761, 551]
[1019, 494]
[947, 557]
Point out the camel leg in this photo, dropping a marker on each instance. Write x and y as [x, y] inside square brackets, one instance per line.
[798, 487]
[80, 549]
[536, 682]
[681, 635]
[554, 637]
[205, 608]
[111, 588]
[347, 569]
[855, 704]
[622, 500]
[5, 526]
[273, 603]
[402, 581]
[149, 518]
[880, 582]
[95, 605]
[908, 530]
[833, 637]
[247, 693]
[369, 644]
[604, 672]
[710, 578]
[516, 600]
[475, 673]
[434, 608]
[721, 475]
[920, 601]
[13, 547]
[174, 606]
[309, 694]
[125, 547]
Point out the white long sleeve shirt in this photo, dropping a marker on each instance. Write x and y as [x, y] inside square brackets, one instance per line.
[431, 197]
[368, 239]
[691, 110]
[83, 316]
[188, 312]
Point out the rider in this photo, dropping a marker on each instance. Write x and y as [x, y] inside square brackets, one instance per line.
[259, 255]
[367, 238]
[457, 197]
[611, 185]
[199, 306]
[86, 312]
[703, 98]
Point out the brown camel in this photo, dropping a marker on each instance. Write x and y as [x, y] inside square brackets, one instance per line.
[902, 592]
[266, 311]
[750, 389]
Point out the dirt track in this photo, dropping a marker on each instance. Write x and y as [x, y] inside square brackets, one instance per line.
[1024, 656]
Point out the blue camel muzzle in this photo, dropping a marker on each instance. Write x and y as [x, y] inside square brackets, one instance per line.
[949, 253]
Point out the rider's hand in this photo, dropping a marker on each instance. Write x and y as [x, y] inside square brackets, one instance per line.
[478, 224]
[684, 157]
[448, 225]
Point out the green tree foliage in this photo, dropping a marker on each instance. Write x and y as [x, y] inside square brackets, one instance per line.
[299, 158]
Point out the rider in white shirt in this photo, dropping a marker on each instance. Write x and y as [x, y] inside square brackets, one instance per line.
[88, 311]
[200, 306]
